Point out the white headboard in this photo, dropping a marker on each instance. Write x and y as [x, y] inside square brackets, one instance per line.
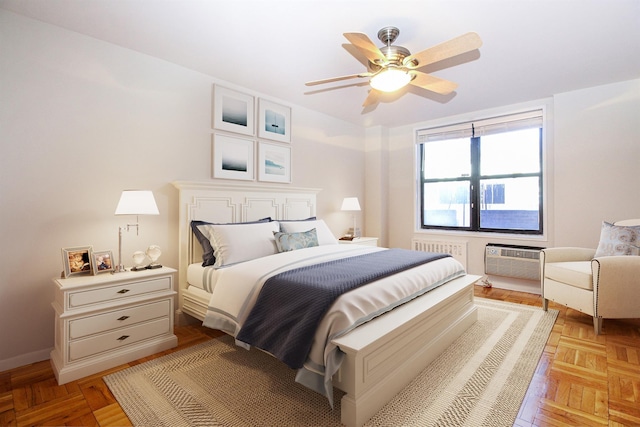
[227, 203]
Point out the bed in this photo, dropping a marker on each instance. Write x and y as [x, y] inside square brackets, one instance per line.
[376, 358]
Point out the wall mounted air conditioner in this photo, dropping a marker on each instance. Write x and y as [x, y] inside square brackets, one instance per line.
[520, 262]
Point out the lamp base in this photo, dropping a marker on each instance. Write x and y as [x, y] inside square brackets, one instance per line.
[119, 269]
[153, 266]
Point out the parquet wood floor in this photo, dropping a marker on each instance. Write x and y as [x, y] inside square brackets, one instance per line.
[581, 379]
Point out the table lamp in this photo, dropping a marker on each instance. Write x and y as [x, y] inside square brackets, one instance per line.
[133, 202]
[351, 204]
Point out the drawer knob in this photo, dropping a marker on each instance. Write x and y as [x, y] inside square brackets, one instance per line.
[124, 337]
[123, 291]
[123, 318]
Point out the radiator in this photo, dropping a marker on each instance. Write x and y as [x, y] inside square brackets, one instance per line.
[520, 262]
[456, 249]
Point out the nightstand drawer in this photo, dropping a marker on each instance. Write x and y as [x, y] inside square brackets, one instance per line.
[119, 338]
[115, 293]
[116, 319]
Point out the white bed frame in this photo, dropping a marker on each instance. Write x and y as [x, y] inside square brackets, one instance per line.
[383, 355]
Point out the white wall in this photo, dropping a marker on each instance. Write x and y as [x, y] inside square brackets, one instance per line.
[81, 120]
[596, 161]
[591, 160]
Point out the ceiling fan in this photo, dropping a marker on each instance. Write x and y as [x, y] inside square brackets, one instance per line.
[392, 67]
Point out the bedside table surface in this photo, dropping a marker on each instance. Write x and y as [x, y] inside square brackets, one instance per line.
[109, 278]
[369, 241]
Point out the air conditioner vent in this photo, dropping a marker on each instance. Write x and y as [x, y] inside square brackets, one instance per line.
[521, 262]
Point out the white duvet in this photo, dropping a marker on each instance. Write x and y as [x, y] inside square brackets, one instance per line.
[234, 291]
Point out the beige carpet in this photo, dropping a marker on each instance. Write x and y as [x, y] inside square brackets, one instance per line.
[480, 379]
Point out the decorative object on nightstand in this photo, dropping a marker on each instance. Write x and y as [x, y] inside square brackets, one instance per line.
[154, 252]
[139, 258]
[368, 241]
[76, 261]
[101, 262]
[133, 202]
[106, 320]
[351, 204]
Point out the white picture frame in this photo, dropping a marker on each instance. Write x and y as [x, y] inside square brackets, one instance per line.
[102, 262]
[274, 121]
[274, 162]
[233, 111]
[233, 157]
[76, 261]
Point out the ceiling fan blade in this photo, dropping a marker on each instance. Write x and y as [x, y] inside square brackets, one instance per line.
[367, 47]
[433, 84]
[336, 79]
[371, 99]
[459, 45]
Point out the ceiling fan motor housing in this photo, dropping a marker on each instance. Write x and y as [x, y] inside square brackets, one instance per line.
[394, 54]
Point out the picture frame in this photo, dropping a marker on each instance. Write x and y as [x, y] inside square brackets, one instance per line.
[233, 157]
[76, 261]
[274, 163]
[274, 121]
[102, 262]
[233, 111]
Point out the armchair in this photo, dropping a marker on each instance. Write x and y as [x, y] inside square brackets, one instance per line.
[603, 286]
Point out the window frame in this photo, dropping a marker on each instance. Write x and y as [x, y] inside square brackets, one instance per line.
[458, 130]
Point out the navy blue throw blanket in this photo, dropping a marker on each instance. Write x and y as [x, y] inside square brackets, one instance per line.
[291, 305]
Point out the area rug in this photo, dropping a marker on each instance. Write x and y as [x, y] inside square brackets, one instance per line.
[480, 379]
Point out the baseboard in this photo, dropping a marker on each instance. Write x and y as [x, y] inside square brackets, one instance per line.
[24, 359]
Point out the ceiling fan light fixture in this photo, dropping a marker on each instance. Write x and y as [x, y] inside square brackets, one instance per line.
[390, 80]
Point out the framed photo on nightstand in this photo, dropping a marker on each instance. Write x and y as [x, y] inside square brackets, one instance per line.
[76, 261]
[101, 262]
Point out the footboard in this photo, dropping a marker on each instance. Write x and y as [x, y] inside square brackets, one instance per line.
[385, 354]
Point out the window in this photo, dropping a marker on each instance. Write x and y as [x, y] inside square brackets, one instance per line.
[483, 176]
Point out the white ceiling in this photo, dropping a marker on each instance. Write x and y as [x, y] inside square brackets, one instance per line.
[531, 49]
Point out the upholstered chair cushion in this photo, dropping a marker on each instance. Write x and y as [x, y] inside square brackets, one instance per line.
[577, 273]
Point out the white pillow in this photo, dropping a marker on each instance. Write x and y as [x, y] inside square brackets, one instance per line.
[241, 242]
[325, 236]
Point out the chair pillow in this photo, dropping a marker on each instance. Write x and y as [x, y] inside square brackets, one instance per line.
[291, 241]
[618, 240]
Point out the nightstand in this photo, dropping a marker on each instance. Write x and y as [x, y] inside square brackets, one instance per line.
[106, 320]
[369, 241]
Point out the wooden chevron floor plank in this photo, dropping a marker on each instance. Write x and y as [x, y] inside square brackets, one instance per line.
[581, 379]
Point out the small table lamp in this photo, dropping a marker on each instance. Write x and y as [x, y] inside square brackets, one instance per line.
[133, 202]
[351, 204]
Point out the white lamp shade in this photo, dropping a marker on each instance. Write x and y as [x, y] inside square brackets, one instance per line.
[350, 204]
[137, 202]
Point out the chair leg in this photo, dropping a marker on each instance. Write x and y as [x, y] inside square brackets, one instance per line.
[597, 324]
[545, 304]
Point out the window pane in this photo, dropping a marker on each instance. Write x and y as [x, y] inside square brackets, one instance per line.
[447, 159]
[510, 152]
[510, 204]
[446, 204]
